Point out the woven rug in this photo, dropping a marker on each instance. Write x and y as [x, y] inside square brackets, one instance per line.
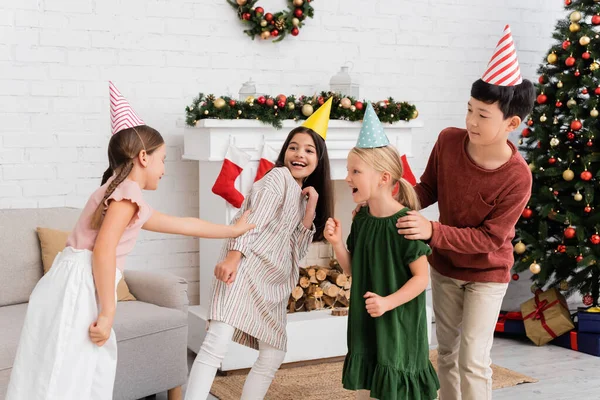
[324, 381]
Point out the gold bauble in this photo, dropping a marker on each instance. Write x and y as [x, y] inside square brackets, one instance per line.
[554, 142]
[249, 99]
[535, 268]
[594, 66]
[414, 115]
[520, 248]
[559, 84]
[578, 196]
[552, 58]
[594, 113]
[543, 118]
[346, 102]
[307, 110]
[263, 23]
[291, 105]
[298, 3]
[564, 285]
[584, 40]
[219, 103]
[575, 16]
[574, 27]
[352, 108]
[571, 103]
[205, 112]
[241, 2]
[295, 21]
[568, 175]
[532, 167]
[265, 35]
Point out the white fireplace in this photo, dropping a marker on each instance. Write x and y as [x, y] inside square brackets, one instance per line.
[207, 143]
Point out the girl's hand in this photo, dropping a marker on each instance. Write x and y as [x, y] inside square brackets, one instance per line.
[100, 330]
[226, 270]
[376, 305]
[313, 197]
[242, 226]
[333, 231]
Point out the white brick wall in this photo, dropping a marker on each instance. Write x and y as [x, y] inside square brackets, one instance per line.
[56, 57]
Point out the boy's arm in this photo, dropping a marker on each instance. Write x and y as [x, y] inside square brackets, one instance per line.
[427, 187]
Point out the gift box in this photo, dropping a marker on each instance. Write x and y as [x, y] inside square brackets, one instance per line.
[589, 319]
[568, 341]
[589, 343]
[546, 316]
[510, 322]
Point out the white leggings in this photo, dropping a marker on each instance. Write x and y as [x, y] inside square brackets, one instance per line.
[211, 354]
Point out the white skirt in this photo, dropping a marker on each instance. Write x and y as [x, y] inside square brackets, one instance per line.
[56, 358]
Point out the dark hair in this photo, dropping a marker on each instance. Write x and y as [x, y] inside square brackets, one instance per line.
[320, 179]
[512, 100]
[123, 147]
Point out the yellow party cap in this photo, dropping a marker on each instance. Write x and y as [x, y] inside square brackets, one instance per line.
[319, 121]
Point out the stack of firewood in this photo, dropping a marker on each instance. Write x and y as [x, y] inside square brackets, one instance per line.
[320, 287]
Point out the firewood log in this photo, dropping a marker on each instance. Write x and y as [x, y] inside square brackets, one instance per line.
[297, 292]
[329, 289]
[338, 278]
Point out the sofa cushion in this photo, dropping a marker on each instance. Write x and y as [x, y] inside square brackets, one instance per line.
[20, 256]
[11, 323]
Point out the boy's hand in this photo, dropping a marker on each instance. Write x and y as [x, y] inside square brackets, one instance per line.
[333, 231]
[242, 226]
[414, 226]
[376, 305]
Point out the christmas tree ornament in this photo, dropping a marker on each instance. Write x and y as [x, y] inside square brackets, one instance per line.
[551, 160]
[515, 277]
[574, 27]
[561, 248]
[525, 132]
[577, 73]
[307, 110]
[520, 248]
[570, 61]
[594, 66]
[527, 213]
[586, 175]
[558, 104]
[584, 40]
[568, 2]
[570, 136]
[587, 209]
[576, 125]
[346, 102]
[559, 84]
[570, 233]
[554, 142]
[295, 31]
[259, 10]
[359, 105]
[295, 22]
[298, 13]
[535, 268]
[578, 196]
[232, 102]
[352, 108]
[530, 122]
[263, 23]
[415, 114]
[219, 103]
[241, 2]
[568, 175]
[594, 113]
[564, 285]
[291, 105]
[579, 258]
[298, 3]
[274, 33]
[566, 44]
[589, 143]
[205, 112]
[596, 19]
[239, 112]
[586, 55]
[584, 91]
[541, 99]
[269, 17]
[542, 79]
[261, 100]
[246, 16]
[595, 239]
[543, 118]
[270, 102]
[571, 103]
[588, 300]
[575, 16]
[532, 167]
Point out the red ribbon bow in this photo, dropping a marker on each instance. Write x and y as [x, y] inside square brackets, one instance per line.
[538, 313]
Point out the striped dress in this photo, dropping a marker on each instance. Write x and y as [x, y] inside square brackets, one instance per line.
[255, 304]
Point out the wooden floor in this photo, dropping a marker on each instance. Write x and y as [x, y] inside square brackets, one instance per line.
[563, 374]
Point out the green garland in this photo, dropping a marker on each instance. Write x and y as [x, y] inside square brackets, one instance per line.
[276, 25]
[273, 110]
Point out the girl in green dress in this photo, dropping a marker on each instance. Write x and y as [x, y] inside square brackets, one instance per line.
[388, 350]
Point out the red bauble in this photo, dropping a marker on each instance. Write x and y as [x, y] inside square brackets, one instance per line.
[587, 209]
[542, 98]
[567, 2]
[232, 103]
[558, 104]
[589, 143]
[586, 175]
[261, 100]
[570, 233]
[566, 44]
[274, 33]
[321, 100]
[588, 300]
[526, 132]
[295, 31]
[270, 102]
[596, 19]
[561, 248]
[586, 55]
[584, 91]
[570, 136]
[515, 277]
[595, 239]
[555, 193]
[358, 105]
[259, 10]
[551, 160]
[281, 97]
[527, 213]
[246, 16]
[539, 145]
[570, 61]
[298, 13]
[542, 79]
[579, 258]
[530, 122]
[597, 90]
[281, 104]
[577, 73]
[576, 125]
[269, 17]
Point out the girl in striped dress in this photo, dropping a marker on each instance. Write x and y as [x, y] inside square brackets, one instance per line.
[259, 270]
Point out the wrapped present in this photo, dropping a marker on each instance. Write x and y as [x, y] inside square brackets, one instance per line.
[546, 316]
[568, 341]
[589, 319]
[589, 343]
[510, 322]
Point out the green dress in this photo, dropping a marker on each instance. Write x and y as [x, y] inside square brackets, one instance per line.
[388, 355]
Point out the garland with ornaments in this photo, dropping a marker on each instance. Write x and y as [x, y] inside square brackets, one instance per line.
[273, 110]
[273, 25]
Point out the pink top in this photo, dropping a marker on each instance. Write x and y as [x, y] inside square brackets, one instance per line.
[83, 237]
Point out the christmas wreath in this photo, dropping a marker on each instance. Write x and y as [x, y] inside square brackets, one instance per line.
[273, 110]
[273, 25]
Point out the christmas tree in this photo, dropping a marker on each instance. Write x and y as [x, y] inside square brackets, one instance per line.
[557, 236]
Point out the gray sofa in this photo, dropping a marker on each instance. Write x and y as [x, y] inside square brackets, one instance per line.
[151, 332]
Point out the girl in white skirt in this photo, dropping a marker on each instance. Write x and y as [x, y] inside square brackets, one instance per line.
[68, 349]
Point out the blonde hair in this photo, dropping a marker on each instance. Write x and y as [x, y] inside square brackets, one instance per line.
[387, 159]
